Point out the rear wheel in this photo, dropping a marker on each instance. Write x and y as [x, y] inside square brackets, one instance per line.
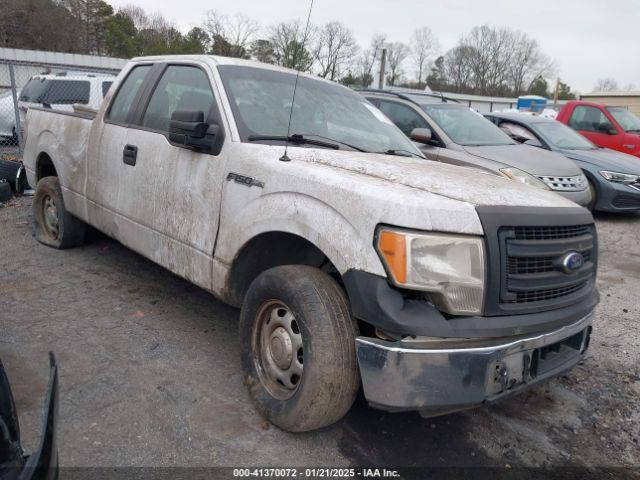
[298, 348]
[54, 226]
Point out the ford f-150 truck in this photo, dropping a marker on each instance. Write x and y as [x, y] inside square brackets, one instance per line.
[355, 261]
[607, 126]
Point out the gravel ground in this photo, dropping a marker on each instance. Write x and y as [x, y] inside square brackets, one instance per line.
[150, 373]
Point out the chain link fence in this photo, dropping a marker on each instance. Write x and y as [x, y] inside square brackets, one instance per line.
[24, 85]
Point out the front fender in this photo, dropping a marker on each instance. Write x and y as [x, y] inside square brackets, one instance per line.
[301, 215]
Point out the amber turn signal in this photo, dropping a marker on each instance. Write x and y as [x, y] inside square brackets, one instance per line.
[393, 247]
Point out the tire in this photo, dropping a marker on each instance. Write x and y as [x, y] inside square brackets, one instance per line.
[306, 300]
[5, 191]
[594, 197]
[54, 226]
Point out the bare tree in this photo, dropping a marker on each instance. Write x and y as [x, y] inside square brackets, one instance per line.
[606, 85]
[397, 53]
[230, 36]
[458, 69]
[336, 47]
[291, 44]
[423, 46]
[369, 58]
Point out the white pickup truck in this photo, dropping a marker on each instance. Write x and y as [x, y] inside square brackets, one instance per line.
[356, 261]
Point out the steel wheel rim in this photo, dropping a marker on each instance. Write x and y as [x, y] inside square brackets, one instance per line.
[278, 350]
[50, 214]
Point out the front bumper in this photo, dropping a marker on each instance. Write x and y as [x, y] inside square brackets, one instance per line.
[436, 376]
[582, 197]
[616, 197]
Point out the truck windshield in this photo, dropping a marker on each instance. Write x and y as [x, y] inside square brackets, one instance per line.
[465, 127]
[560, 136]
[627, 120]
[261, 102]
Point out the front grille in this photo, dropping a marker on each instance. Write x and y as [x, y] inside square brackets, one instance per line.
[532, 258]
[550, 233]
[565, 184]
[518, 265]
[547, 294]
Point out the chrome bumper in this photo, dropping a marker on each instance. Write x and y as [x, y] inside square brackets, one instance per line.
[440, 376]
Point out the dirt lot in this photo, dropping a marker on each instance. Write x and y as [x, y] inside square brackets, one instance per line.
[150, 373]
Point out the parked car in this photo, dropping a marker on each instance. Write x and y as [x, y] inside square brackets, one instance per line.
[452, 133]
[62, 90]
[607, 126]
[354, 260]
[7, 120]
[614, 177]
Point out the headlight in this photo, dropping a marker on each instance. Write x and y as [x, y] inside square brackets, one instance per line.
[625, 178]
[523, 177]
[450, 267]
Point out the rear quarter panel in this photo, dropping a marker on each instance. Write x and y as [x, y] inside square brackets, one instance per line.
[63, 137]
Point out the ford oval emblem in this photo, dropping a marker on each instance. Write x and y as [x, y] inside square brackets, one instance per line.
[572, 262]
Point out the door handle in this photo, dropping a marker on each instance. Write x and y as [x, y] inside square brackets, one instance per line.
[130, 155]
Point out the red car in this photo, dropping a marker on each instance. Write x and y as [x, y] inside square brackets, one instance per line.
[606, 126]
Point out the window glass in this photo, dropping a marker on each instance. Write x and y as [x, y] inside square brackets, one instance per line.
[466, 127]
[405, 118]
[561, 136]
[180, 88]
[123, 102]
[627, 120]
[517, 132]
[590, 119]
[34, 91]
[67, 92]
[262, 103]
[105, 88]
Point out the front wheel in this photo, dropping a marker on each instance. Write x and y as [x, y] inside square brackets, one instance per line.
[298, 348]
[592, 189]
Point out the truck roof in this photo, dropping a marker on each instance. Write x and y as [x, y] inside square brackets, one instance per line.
[218, 60]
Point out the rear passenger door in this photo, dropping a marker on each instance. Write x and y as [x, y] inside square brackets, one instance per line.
[104, 154]
[170, 195]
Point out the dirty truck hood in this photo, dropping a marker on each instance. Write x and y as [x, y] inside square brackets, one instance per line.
[458, 183]
[533, 160]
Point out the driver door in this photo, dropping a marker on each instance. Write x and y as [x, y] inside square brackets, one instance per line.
[170, 194]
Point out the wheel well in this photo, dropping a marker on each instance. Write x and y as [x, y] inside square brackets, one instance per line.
[45, 167]
[273, 249]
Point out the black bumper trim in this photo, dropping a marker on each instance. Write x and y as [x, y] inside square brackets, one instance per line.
[379, 304]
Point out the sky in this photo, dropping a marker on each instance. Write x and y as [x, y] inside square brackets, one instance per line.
[589, 39]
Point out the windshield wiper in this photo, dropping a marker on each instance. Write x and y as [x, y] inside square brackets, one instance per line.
[296, 139]
[336, 141]
[401, 153]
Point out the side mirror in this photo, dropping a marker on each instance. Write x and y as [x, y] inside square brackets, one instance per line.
[607, 129]
[188, 128]
[534, 142]
[421, 135]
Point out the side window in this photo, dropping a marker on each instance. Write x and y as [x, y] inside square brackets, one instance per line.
[180, 88]
[404, 117]
[67, 92]
[123, 101]
[590, 119]
[105, 88]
